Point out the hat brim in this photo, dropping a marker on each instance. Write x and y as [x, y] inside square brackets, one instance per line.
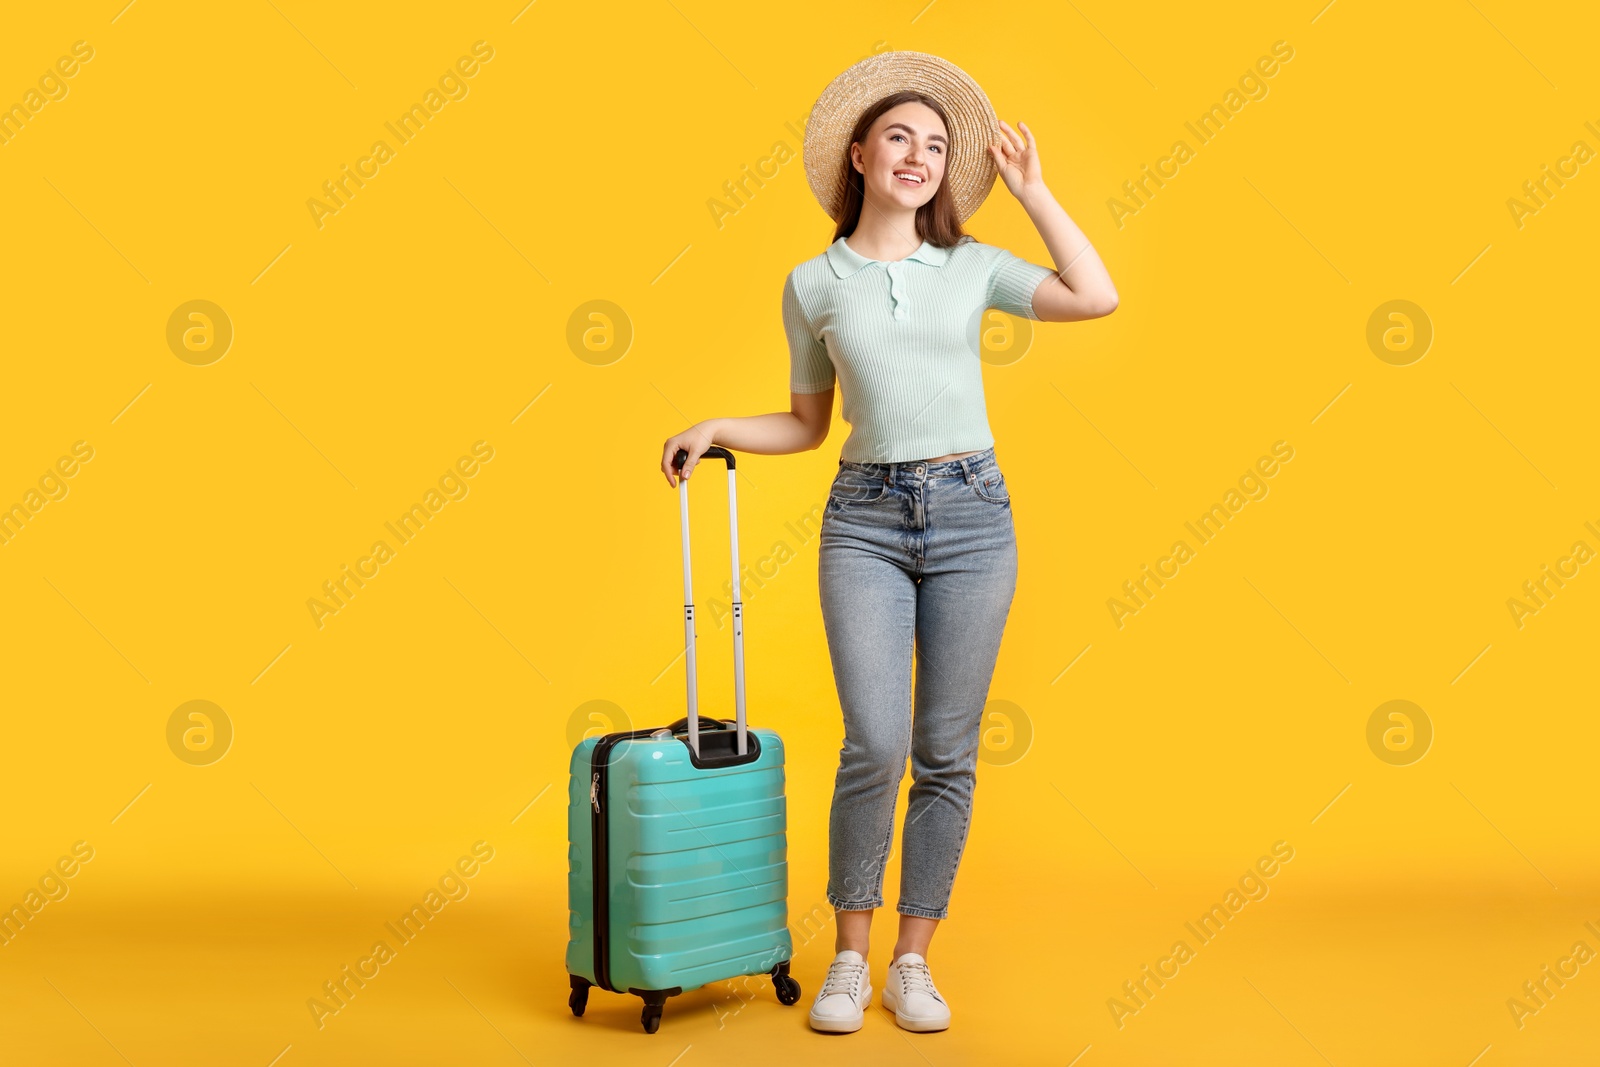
[973, 125]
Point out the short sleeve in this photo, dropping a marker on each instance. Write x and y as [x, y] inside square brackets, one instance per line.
[1012, 281]
[810, 369]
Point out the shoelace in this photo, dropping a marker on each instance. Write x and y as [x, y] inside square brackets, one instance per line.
[915, 978]
[844, 976]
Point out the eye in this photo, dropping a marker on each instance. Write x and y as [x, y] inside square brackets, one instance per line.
[934, 147]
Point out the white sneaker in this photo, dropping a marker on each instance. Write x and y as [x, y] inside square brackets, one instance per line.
[910, 994]
[845, 995]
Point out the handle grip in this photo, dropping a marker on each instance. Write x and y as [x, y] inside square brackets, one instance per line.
[715, 452]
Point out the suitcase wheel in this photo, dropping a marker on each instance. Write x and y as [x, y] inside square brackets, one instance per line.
[788, 989]
[654, 1001]
[580, 995]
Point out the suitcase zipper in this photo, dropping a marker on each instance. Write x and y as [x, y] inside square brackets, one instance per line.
[600, 862]
[600, 859]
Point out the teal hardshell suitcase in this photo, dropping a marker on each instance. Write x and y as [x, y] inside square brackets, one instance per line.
[678, 841]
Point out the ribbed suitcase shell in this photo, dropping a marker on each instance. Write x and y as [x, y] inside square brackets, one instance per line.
[698, 860]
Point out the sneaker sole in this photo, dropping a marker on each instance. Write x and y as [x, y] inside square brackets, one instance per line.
[920, 1026]
[843, 1026]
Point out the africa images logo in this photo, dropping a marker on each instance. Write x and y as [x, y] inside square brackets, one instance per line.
[452, 86]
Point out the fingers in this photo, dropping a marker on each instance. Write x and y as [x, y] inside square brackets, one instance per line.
[671, 472]
[1015, 140]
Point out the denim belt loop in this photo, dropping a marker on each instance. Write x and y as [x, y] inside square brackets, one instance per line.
[966, 470]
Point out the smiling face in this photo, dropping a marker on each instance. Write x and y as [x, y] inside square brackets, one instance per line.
[902, 158]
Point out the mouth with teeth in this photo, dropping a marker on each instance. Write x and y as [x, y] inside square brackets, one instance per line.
[908, 177]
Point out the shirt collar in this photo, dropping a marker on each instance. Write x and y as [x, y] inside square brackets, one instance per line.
[846, 260]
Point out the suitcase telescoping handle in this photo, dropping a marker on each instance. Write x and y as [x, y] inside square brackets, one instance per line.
[714, 452]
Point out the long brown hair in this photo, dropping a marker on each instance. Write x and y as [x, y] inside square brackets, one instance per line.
[937, 221]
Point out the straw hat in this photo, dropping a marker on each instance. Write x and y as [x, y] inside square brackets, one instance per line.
[973, 125]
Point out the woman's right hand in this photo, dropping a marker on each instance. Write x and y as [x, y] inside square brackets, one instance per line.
[695, 440]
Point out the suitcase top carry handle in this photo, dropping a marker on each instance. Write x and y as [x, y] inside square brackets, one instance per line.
[705, 720]
[693, 719]
[717, 740]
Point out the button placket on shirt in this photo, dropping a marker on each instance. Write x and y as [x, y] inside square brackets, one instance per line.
[897, 293]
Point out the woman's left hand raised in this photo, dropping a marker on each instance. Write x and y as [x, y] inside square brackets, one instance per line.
[1017, 160]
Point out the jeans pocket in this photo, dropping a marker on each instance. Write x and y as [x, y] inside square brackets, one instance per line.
[851, 486]
[990, 484]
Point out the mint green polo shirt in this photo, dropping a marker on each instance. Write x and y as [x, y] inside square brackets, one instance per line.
[901, 339]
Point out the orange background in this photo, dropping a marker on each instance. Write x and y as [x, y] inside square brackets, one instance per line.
[1132, 775]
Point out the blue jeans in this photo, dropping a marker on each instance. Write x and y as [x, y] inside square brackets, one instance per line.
[914, 556]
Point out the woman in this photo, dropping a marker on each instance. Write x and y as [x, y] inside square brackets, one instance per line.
[917, 548]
